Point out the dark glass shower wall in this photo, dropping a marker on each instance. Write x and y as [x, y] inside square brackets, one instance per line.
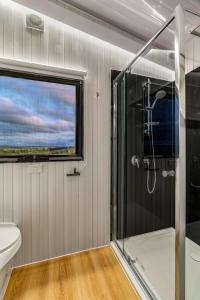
[146, 212]
[138, 211]
[193, 155]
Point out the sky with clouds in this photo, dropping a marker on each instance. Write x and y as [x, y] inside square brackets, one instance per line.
[36, 113]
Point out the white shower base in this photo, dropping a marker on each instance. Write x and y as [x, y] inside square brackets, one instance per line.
[155, 258]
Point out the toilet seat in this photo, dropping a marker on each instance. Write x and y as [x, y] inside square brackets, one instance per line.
[10, 242]
[9, 235]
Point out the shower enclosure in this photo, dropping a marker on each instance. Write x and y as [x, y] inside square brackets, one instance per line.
[155, 161]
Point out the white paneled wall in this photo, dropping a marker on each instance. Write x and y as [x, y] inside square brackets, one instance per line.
[192, 53]
[58, 214]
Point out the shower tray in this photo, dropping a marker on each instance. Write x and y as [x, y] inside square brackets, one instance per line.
[153, 255]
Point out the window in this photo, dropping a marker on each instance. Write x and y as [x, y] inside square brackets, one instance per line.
[41, 117]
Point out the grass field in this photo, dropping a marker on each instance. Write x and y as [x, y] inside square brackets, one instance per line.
[14, 151]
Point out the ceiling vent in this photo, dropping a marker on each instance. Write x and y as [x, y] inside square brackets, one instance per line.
[34, 22]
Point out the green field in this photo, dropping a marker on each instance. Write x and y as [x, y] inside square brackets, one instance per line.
[9, 151]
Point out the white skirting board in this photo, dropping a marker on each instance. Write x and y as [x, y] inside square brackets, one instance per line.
[58, 257]
[131, 276]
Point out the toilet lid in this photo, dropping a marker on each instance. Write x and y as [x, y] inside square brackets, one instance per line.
[9, 235]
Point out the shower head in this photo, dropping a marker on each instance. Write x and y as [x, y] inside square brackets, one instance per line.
[159, 95]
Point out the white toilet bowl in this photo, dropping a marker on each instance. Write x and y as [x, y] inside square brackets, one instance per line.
[10, 242]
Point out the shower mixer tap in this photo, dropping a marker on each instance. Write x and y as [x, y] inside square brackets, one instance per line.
[135, 161]
[168, 173]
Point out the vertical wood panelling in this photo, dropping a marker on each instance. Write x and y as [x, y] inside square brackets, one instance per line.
[101, 143]
[68, 48]
[44, 46]
[59, 214]
[17, 192]
[56, 45]
[35, 46]
[52, 208]
[8, 31]
[196, 53]
[18, 201]
[26, 44]
[95, 163]
[104, 176]
[18, 34]
[1, 30]
[35, 215]
[75, 210]
[27, 214]
[68, 199]
[8, 193]
[192, 53]
[85, 195]
[44, 213]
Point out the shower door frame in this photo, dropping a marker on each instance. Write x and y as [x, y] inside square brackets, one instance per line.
[180, 182]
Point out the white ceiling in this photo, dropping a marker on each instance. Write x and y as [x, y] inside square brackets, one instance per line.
[128, 24]
[141, 18]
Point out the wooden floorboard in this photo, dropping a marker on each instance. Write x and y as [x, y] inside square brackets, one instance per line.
[90, 275]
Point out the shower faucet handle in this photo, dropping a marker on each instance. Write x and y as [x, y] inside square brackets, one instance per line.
[135, 161]
[168, 173]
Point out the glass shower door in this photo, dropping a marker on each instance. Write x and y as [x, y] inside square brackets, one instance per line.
[149, 206]
[118, 159]
[147, 131]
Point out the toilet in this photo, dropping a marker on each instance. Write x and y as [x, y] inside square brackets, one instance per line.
[10, 242]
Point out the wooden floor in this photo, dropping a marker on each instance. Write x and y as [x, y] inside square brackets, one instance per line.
[90, 275]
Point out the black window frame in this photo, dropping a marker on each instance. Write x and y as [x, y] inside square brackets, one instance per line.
[79, 84]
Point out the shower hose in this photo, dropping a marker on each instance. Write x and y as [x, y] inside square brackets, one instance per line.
[151, 189]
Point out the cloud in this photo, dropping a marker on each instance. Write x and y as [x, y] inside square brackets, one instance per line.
[63, 93]
[60, 92]
[37, 113]
[67, 114]
[12, 113]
